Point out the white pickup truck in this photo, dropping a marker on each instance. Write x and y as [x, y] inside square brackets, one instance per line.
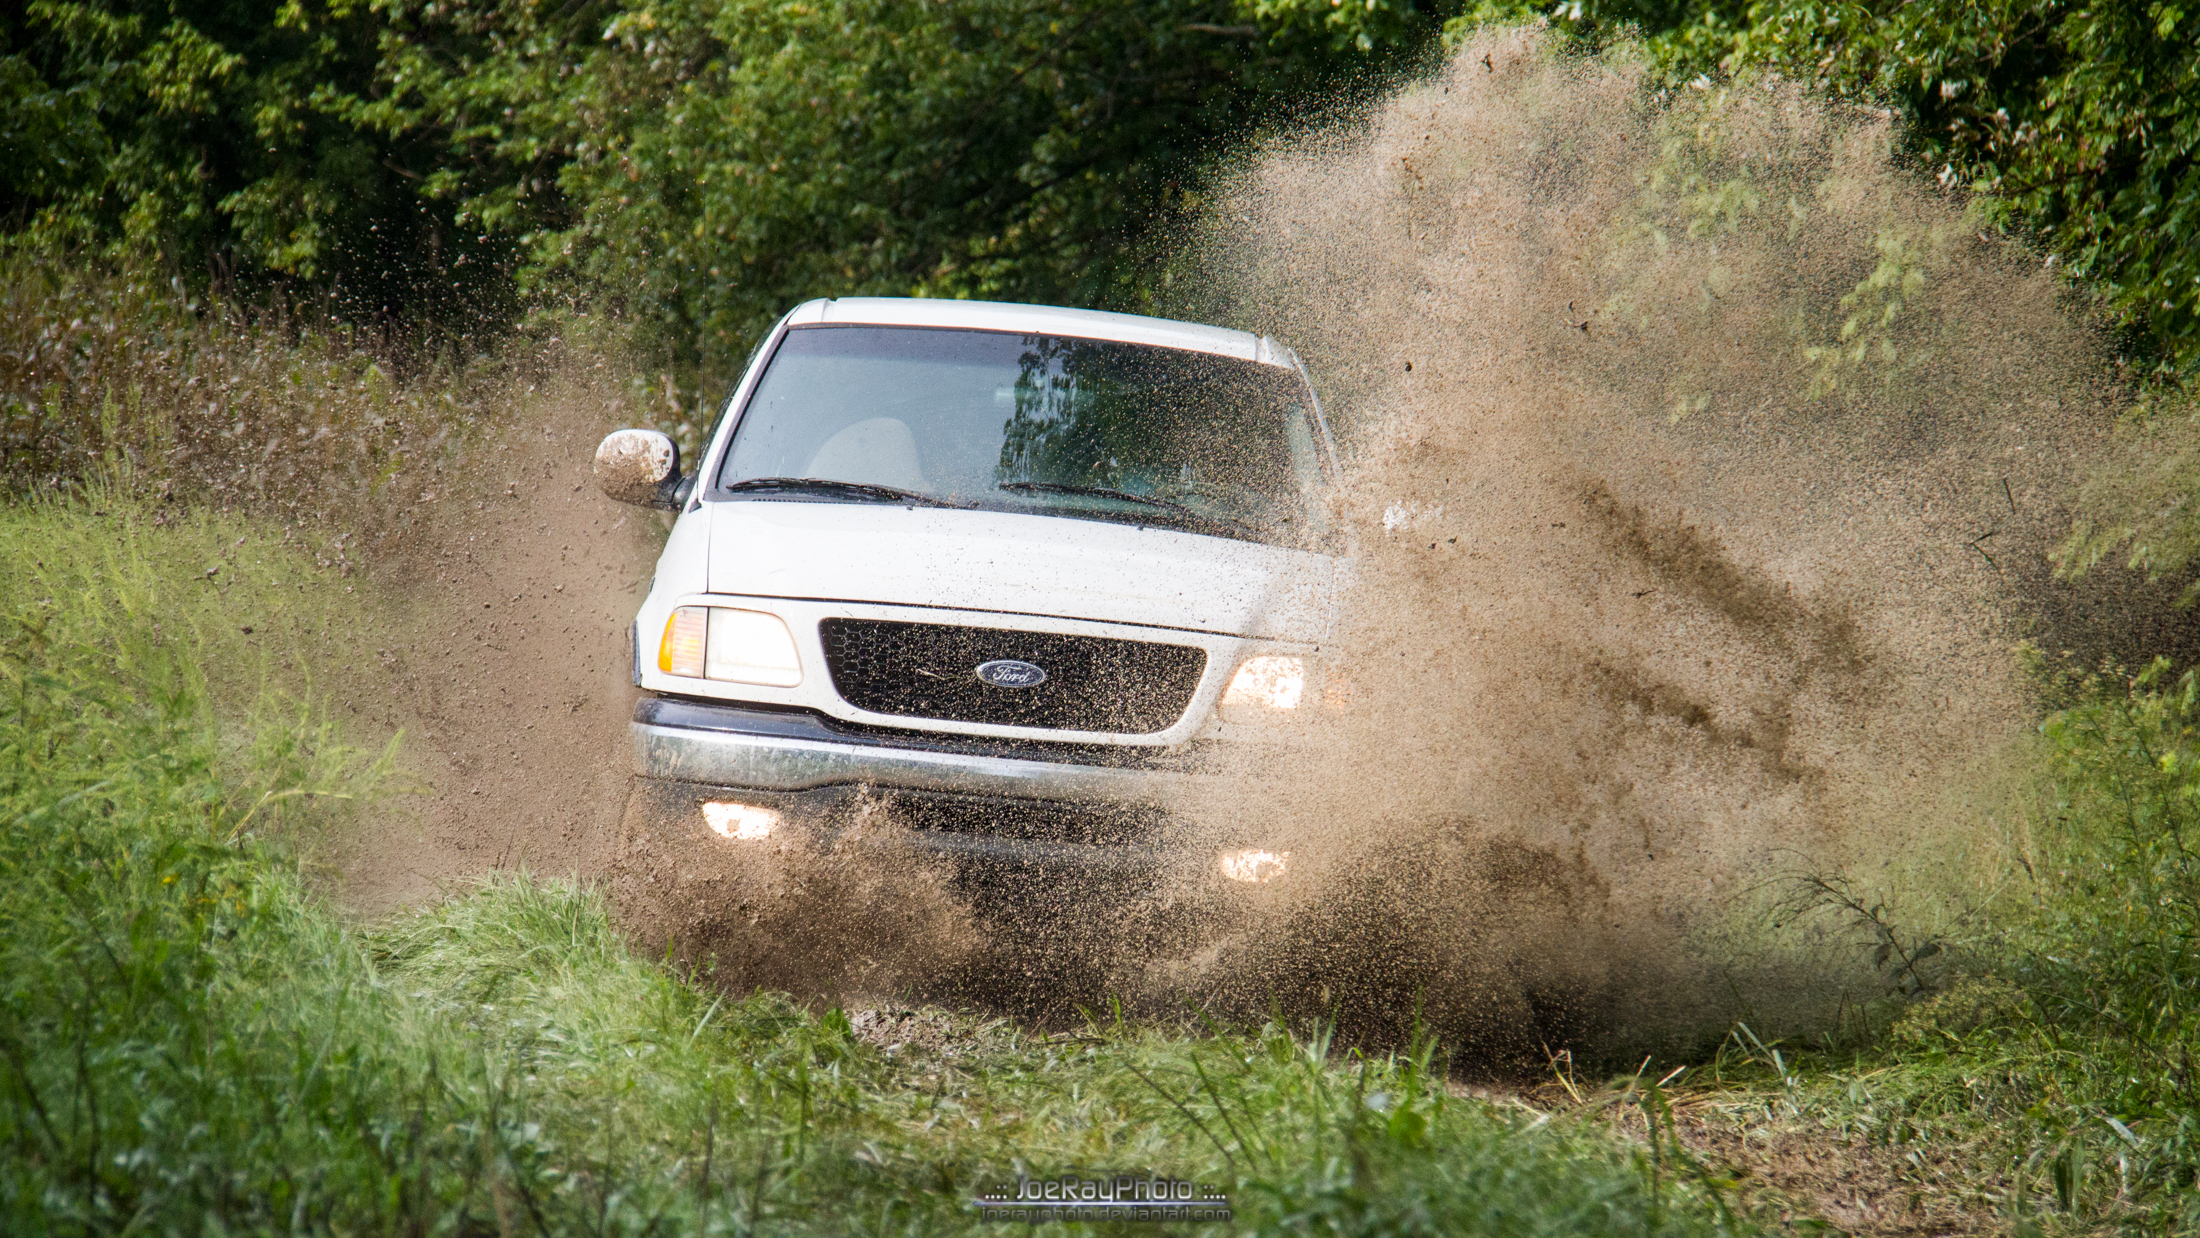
[1025, 578]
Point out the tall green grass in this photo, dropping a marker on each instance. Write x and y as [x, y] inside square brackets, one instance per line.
[270, 406]
[114, 566]
[2058, 1053]
[190, 1043]
[277, 406]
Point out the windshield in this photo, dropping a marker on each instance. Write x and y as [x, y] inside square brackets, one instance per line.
[1047, 424]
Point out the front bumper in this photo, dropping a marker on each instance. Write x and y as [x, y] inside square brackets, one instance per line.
[975, 839]
[1012, 810]
[718, 745]
[1054, 844]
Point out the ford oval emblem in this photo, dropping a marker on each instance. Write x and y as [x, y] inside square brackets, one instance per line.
[1009, 673]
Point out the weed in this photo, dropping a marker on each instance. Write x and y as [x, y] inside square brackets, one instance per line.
[1900, 958]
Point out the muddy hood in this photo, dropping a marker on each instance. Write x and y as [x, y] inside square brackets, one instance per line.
[1017, 564]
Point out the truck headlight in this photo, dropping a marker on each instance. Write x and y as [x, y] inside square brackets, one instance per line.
[738, 646]
[1253, 867]
[1272, 680]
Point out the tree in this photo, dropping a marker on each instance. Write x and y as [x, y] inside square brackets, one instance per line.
[706, 163]
[695, 164]
[190, 135]
[2078, 126]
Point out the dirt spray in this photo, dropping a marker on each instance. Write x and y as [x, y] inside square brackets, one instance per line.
[1705, 462]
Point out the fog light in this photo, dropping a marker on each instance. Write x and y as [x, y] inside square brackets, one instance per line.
[1257, 867]
[1277, 682]
[741, 821]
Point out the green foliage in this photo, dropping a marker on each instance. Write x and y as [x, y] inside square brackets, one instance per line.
[2059, 1063]
[2074, 130]
[700, 164]
[101, 370]
[166, 591]
[2099, 1050]
[707, 163]
[1361, 25]
[2077, 127]
[2141, 504]
[2127, 912]
[1712, 211]
[1680, 37]
[1763, 252]
[194, 137]
[158, 1050]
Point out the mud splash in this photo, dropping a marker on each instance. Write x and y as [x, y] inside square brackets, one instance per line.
[1703, 465]
[1705, 462]
[499, 586]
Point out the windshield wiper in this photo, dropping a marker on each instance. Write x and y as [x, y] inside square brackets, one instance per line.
[1103, 492]
[838, 489]
[1055, 487]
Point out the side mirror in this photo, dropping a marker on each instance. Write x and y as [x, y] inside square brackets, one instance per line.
[639, 466]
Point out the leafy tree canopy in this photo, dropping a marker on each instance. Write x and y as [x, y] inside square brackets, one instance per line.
[2077, 124]
[196, 135]
[701, 162]
[704, 162]
[709, 161]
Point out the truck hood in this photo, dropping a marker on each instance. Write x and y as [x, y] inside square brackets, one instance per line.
[1020, 564]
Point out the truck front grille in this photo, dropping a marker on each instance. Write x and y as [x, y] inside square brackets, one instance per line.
[929, 670]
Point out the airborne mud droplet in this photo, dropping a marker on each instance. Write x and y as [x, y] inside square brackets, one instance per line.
[1669, 570]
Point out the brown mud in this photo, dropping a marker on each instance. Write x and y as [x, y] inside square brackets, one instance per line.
[500, 589]
[1706, 465]
[838, 916]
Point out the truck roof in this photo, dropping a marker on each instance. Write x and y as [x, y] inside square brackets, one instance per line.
[1043, 320]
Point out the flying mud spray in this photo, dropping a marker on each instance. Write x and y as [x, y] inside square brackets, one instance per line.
[1703, 468]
